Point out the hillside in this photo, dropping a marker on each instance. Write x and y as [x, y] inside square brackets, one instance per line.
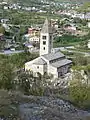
[39, 1]
[16, 106]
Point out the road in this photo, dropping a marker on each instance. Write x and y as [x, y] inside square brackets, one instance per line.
[9, 52]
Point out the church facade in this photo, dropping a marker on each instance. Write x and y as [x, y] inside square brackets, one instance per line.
[50, 61]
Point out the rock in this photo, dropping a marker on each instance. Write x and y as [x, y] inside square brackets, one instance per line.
[48, 108]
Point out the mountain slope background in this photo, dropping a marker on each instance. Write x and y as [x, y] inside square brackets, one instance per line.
[39, 1]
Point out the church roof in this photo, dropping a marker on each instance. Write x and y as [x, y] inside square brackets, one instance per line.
[53, 56]
[61, 63]
[39, 61]
[46, 27]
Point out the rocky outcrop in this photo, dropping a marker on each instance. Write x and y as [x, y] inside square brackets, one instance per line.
[48, 108]
[16, 106]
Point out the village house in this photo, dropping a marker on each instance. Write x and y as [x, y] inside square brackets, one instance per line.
[70, 28]
[35, 39]
[33, 31]
[34, 35]
[50, 61]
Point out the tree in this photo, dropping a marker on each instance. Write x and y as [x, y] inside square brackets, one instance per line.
[80, 60]
[78, 90]
[2, 45]
[2, 29]
[78, 93]
[29, 84]
[6, 75]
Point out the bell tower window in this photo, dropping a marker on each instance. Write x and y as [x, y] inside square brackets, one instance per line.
[44, 42]
[44, 48]
[44, 37]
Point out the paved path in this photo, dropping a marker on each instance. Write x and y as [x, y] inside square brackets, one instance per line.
[9, 52]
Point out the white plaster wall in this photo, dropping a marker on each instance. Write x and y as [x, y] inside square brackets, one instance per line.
[38, 68]
[28, 65]
[42, 51]
[52, 70]
[34, 39]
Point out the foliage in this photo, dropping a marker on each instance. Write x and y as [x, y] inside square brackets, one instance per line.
[79, 91]
[9, 65]
[80, 21]
[18, 60]
[85, 7]
[80, 60]
[6, 75]
[29, 84]
[2, 44]
[66, 39]
[2, 29]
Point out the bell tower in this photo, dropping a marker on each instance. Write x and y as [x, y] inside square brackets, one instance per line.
[46, 37]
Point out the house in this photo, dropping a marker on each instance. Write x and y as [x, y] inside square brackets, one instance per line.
[70, 28]
[50, 61]
[33, 31]
[29, 47]
[87, 16]
[35, 39]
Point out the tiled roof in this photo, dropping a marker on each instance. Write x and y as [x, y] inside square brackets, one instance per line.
[61, 63]
[53, 56]
[39, 61]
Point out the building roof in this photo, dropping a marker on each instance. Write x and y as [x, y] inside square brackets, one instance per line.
[61, 63]
[53, 56]
[47, 27]
[39, 61]
[28, 45]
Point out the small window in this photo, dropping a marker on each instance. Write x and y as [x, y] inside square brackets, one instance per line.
[44, 37]
[38, 67]
[44, 48]
[44, 42]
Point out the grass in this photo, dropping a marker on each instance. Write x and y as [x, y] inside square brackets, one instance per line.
[58, 44]
[70, 40]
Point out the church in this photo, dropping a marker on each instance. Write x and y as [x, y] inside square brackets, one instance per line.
[50, 61]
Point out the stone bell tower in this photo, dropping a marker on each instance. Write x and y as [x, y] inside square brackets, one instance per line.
[46, 38]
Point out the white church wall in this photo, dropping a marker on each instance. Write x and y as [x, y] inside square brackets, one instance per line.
[38, 68]
[52, 70]
[29, 65]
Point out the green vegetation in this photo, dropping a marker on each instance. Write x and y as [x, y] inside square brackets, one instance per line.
[2, 29]
[66, 40]
[10, 65]
[79, 93]
[31, 85]
[19, 59]
[85, 7]
[6, 75]
[26, 18]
